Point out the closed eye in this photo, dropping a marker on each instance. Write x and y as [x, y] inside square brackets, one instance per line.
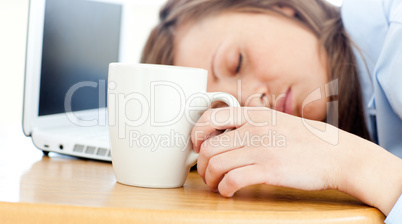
[238, 68]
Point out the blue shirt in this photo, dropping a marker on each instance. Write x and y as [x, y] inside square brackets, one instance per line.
[376, 27]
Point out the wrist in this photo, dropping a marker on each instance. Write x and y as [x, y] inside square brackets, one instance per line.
[369, 173]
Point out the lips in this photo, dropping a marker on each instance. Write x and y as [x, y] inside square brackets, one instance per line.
[284, 104]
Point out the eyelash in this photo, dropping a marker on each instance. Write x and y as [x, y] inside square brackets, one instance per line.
[238, 68]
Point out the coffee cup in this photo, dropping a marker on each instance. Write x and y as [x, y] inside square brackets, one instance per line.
[151, 112]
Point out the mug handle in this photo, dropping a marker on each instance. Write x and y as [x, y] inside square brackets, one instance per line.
[230, 100]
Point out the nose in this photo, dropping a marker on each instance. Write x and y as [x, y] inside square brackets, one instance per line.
[254, 94]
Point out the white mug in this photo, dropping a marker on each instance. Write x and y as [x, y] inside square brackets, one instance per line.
[151, 112]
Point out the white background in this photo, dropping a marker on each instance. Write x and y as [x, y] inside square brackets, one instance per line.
[13, 22]
[13, 26]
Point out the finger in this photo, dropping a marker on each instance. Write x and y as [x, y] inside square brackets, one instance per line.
[212, 121]
[217, 145]
[221, 164]
[238, 178]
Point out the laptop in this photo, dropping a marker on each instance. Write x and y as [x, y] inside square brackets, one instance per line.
[70, 44]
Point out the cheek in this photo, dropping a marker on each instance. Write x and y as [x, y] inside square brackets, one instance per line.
[316, 101]
[212, 85]
[225, 86]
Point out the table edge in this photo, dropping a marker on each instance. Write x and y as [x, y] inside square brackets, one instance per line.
[11, 212]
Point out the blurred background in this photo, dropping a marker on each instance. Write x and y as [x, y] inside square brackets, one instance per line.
[13, 27]
[13, 32]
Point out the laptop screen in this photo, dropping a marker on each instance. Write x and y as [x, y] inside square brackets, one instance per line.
[80, 39]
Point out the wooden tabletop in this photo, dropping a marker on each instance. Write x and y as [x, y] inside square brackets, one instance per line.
[62, 189]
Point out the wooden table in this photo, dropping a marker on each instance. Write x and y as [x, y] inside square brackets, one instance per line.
[62, 189]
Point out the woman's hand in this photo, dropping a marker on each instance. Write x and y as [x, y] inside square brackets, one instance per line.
[269, 147]
[265, 146]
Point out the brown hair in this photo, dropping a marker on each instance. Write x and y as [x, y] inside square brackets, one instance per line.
[321, 18]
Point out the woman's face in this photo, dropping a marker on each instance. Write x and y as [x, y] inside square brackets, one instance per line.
[261, 59]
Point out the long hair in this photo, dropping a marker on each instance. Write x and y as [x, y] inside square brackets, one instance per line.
[321, 18]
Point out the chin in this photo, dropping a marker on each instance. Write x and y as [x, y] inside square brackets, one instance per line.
[315, 113]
